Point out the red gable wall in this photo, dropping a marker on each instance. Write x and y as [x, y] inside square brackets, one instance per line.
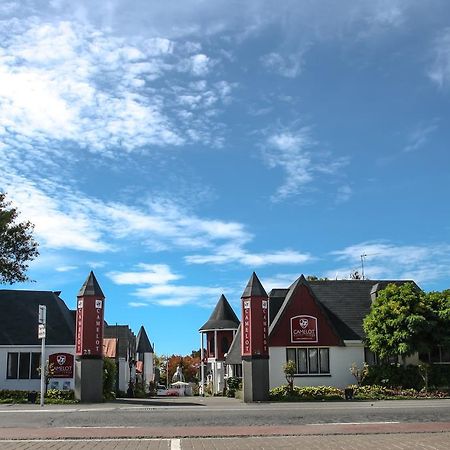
[302, 303]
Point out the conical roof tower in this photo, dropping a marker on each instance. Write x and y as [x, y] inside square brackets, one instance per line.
[223, 317]
[91, 287]
[143, 344]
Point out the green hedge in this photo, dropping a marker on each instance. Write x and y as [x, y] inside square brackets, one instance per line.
[384, 393]
[305, 393]
[52, 396]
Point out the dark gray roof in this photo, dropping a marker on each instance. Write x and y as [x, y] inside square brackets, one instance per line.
[19, 318]
[222, 317]
[234, 352]
[345, 302]
[276, 299]
[254, 288]
[126, 339]
[91, 287]
[142, 342]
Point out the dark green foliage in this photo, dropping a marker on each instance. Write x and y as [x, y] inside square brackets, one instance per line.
[233, 384]
[394, 376]
[17, 246]
[398, 323]
[408, 377]
[109, 378]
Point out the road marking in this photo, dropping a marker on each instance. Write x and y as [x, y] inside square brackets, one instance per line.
[175, 444]
[63, 440]
[350, 423]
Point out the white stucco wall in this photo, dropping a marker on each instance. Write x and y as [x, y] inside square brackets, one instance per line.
[35, 384]
[341, 359]
[148, 368]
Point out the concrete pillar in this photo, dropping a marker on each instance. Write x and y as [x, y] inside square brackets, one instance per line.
[89, 380]
[255, 376]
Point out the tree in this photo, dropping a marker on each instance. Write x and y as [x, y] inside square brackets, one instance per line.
[315, 278]
[399, 322]
[17, 246]
[289, 372]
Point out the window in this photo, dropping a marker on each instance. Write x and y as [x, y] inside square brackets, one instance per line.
[310, 361]
[12, 366]
[225, 345]
[35, 364]
[23, 365]
[437, 355]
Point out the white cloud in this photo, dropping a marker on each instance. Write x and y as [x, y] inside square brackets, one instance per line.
[422, 263]
[156, 288]
[148, 274]
[291, 151]
[138, 304]
[228, 254]
[178, 295]
[65, 268]
[200, 64]
[69, 219]
[66, 87]
[439, 72]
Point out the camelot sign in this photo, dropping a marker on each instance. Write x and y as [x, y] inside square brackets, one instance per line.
[304, 329]
[62, 365]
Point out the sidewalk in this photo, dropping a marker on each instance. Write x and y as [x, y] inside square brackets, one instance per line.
[223, 431]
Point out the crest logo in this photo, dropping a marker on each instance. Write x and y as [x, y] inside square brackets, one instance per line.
[61, 359]
[303, 322]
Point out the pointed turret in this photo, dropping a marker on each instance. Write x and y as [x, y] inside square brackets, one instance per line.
[254, 288]
[91, 287]
[143, 344]
[254, 341]
[222, 317]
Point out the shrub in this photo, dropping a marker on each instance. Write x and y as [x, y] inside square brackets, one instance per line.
[109, 378]
[394, 376]
[234, 383]
[58, 394]
[305, 393]
[384, 393]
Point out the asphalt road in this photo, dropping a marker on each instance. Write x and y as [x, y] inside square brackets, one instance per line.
[210, 412]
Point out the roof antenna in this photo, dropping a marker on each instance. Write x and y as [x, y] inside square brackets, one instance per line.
[362, 265]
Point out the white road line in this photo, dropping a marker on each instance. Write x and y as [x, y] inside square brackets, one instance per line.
[83, 440]
[175, 444]
[349, 423]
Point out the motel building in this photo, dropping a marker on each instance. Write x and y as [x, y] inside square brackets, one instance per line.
[316, 324]
[70, 336]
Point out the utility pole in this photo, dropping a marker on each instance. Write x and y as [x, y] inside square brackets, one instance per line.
[41, 335]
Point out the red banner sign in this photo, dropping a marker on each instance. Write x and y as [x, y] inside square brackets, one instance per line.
[304, 329]
[61, 365]
[89, 325]
[246, 332]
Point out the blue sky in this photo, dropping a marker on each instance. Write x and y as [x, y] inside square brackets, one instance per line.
[176, 147]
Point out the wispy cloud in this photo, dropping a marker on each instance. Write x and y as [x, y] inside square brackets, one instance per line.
[228, 254]
[289, 66]
[422, 263]
[291, 150]
[420, 136]
[146, 274]
[66, 87]
[155, 287]
[73, 220]
[439, 72]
